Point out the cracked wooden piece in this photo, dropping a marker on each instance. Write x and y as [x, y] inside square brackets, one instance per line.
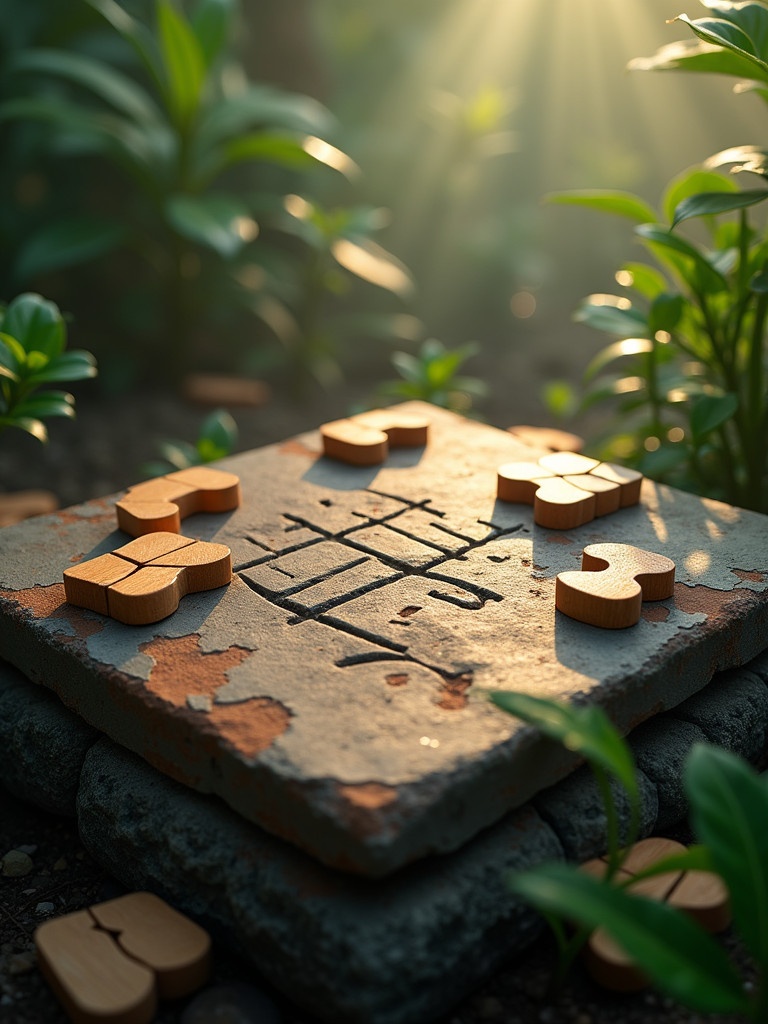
[161, 504]
[567, 489]
[613, 582]
[111, 962]
[145, 580]
[700, 894]
[365, 439]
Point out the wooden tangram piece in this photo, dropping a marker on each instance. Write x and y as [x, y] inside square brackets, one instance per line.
[567, 489]
[700, 894]
[365, 439]
[144, 580]
[613, 582]
[110, 963]
[162, 503]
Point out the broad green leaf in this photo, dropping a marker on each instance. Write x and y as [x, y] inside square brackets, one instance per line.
[370, 262]
[111, 86]
[750, 17]
[31, 426]
[67, 243]
[183, 61]
[759, 283]
[690, 183]
[216, 221]
[12, 353]
[711, 278]
[617, 350]
[211, 24]
[691, 55]
[180, 454]
[646, 280]
[749, 158]
[135, 33]
[711, 411]
[36, 323]
[270, 147]
[679, 957]
[46, 403]
[729, 806]
[695, 858]
[218, 436]
[708, 203]
[586, 731]
[665, 313]
[611, 314]
[719, 32]
[408, 366]
[622, 203]
[8, 374]
[69, 366]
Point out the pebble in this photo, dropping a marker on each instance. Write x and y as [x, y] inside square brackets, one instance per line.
[16, 864]
[61, 864]
[44, 908]
[232, 1003]
[29, 849]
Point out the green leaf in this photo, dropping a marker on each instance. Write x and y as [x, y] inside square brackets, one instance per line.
[586, 731]
[729, 805]
[46, 403]
[679, 958]
[730, 36]
[617, 350]
[711, 411]
[135, 33]
[690, 55]
[99, 78]
[646, 280]
[709, 203]
[183, 62]
[211, 24]
[218, 436]
[12, 354]
[711, 278]
[665, 313]
[36, 324]
[31, 426]
[270, 147]
[67, 243]
[611, 314]
[214, 220]
[70, 366]
[622, 203]
[690, 183]
[748, 158]
[180, 454]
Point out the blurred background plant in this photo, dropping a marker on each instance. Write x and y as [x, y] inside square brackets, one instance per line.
[691, 394]
[217, 439]
[33, 341]
[432, 375]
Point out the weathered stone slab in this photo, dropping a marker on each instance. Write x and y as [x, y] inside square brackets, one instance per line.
[352, 722]
[393, 951]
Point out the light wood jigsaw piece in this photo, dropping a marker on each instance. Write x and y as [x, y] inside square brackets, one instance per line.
[613, 582]
[701, 894]
[161, 504]
[111, 962]
[145, 580]
[365, 439]
[567, 489]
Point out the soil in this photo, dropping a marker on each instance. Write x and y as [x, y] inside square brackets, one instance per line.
[101, 452]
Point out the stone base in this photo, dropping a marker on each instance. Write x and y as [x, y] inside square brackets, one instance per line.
[401, 950]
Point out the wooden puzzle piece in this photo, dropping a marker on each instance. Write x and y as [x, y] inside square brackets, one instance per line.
[701, 894]
[567, 489]
[365, 439]
[145, 580]
[613, 582]
[111, 962]
[161, 504]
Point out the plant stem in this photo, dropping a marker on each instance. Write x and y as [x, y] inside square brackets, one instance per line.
[611, 821]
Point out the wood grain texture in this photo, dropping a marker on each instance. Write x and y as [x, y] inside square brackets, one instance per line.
[161, 504]
[176, 949]
[613, 582]
[365, 439]
[90, 975]
[568, 463]
[108, 964]
[559, 505]
[144, 581]
[607, 493]
[699, 893]
[518, 482]
[629, 480]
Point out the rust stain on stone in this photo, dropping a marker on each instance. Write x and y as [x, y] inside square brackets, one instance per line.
[50, 603]
[455, 688]
[296, 447]
[396, 678]
[654, 613]
[753, 576]
[705, 599]
[556, 538]
[363, 806]
[106, 511]
[181, 667]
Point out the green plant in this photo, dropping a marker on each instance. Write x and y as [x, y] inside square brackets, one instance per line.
[692, 398]
[432, 376]
[179, 133]
[729, 811]
[33, 339]
[217, 439]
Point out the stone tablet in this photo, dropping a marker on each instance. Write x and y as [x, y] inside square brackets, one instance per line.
[333, 693]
